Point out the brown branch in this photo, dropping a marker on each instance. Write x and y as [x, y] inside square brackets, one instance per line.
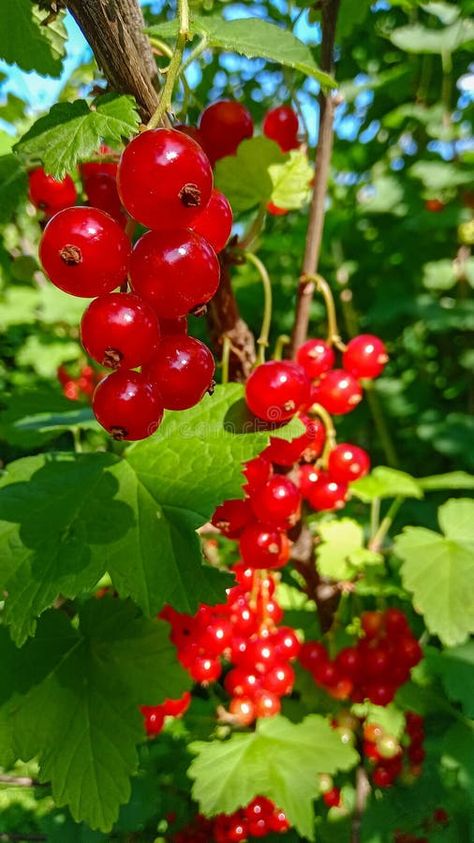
[224, 319]
[361, 796]
[327, 103]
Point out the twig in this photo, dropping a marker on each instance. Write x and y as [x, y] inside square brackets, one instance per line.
[262, 341]
[20, 781]
[174, 67]
[378, 537]
[314, 235]
[361, 796]
[224, 320]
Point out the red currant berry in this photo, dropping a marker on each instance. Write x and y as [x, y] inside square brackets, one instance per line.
[91, 168]
[264, 547]
[348, 462]
[267, 704]
[127, 405]
[382, 777]
[332, 798]
[308, 476]
[309, 445]
[349, 662]
[214, 223]
[275, 211]
[312, 653]
[84, 252]
[269, 610]
[338, 392]
[192, 132]
[277, 502]
[287, 643]
[278, 822]
[48, 194]
[316, 357]
[281, 125]
[373, 623]
[415, 723]
[204, 669]
[164, 179]
[240, 683]
[120, 330]
[280, 680]
[327, 494]
[434, 205]
[154, 718]
[376, 662]
[260, 655]
[257, 472]
[326, 673]
[409, 652]
[380, 694]
[174, 326]
[182, 369]
[243, 710]
[101, 191]
[231, 518]
[223, 126]
[176, 708]
[365, 356]
[175, 271]
[396, 622]
[276, 390]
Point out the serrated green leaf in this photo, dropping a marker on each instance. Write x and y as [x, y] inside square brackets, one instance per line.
[279, 760]
[439, 571]
[291, 181]
[417, 38]
[452, 480]
[384, 482]
[72, 132]
[245, 177]
[455, 667]
[66, 519]
[75, 701]
[13, 186]
[25, 42]
[254, 38]
[342, 552]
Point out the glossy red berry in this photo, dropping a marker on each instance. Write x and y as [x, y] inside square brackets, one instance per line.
[308, 446]
[223, 126]
[312, 653]
[120, 330]
[267, 704]
[101, 191]
[349, 662]
[127, 405]
[92, 168]
[277, 502]
[175, 271]
[214, 223]
[365, 356]
[232, 517]
[281, 125]
[264, 547]
[332, 798]
[338, 392]
[380, 693]
[276, 390]
[308, 475]
[48, 194]
[278, 822]
[327, 494]
[316, 357]
[242, 683]
[154, 717]
[84, 252]
[257, 472]
[280, 680]
[192, 132]
[176, 708]
[204, 669]
[287, 643]
[243, 709]
[396, 622]
[382, 777]
[348, 462]
[164, 179]
[373, 623]
[174, 326]
[182, 369]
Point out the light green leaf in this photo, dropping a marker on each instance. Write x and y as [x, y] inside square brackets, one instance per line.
[439, 571]
[291, 181]
[383, 196]
[254, 38]
[390, 719]
[445, 12]
[56, 306]
[417, 38]
[342, 551]
[440, 175]
[279, 760]
[25, 42]
[13, 110]
[72, 132]
[13, 186]
[77, 697]
[384, 482]
[18, 306]
[45, 357]
[452, 480]
[245, 177]
[455, 667]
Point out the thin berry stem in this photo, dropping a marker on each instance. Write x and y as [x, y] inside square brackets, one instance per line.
[262, 341]
[318, 410]
[226, 346]
[172, 73]
[378, 538]
[321, 286]
[282, 341]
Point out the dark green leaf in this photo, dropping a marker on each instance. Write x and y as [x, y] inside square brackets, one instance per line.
[25, 42]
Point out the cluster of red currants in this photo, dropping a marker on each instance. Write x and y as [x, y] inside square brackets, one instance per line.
[258, 819]
[82, 386]
[378, 664]
[154, 715]
[245, 633]
[438, 820]
[163, 181]
[386, 755]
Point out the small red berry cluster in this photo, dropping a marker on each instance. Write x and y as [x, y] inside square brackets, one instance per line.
[82, 386]
[154, 715]
[258, 819]
[378, 664]
[438, 819]
[163, 181]
[386, 755]
[243, 632]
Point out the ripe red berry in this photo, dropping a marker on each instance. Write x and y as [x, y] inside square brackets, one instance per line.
[264, 547]
[101, 191]
[154, 718]
[174, 326]
[338, 392]
[204, 669]
[231, 517]
[365, 356]
[214, 223]
[84, 252]
[308, 475]
[287, 643]
[127, 405]
[312, 653]
[434, 205]
[242, 683]
[278, 822]
[276, 390]
[48, 194]
[257, 472]
[275, 211]
[309, 445]
[91, 168]
[278, 502]
[348, 462]
[396, 622]
[326, 493]
[267, 704]
[176, 708]
[316, 357]
[223, 126]
[332, 798]
[174, 270]
[380, 693]
[243, 709]
[281, 125]
[280, 679]
[182, 369]
[326, 673]
[120, 330]
[349, 662]
[373, 623]
[192, 132]
[164, 179]
[376, 662]
[409, 651]
[382, 777]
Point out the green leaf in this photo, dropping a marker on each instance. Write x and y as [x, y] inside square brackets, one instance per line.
[350, 16]
[13, 110]
[417, 38]
[44, 356]
[439, 571]
[18, 306]
[458, 746]
[279, 760]
[56, 306]
[452, 480]
[254, 38]
[13, 186]
[291, 181]
[25, 42]
[440, 175]
[75, 702]
[342, 552]
[245, 177]
[445, 12]
[386, 482]
[455, 667]
[72, 132]
[33, 417]
[66, 518]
